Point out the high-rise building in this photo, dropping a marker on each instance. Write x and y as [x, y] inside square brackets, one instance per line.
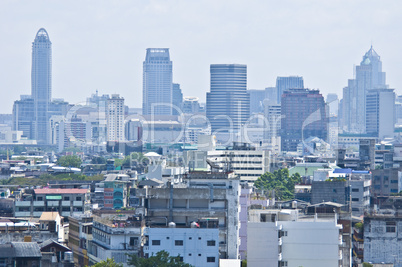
[303, 115]
[115, 118]
[177, 99]
[41, 80]
[32, 113]
[271, 97]
[256, 100]
[380, 113]
[157, 87]
[228, 103]
[285, 83]
[369, 76]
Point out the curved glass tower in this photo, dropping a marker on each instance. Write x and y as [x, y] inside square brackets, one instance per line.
[228, 103]
[41, 79]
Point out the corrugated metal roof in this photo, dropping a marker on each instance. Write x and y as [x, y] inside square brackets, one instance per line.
[60, 191]
[26, 250]
[6, 251]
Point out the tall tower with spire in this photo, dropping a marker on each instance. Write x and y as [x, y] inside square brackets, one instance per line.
[369, 75]
[41, 79]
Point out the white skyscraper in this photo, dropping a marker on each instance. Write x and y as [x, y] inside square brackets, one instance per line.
[157, 91]
[115, 118]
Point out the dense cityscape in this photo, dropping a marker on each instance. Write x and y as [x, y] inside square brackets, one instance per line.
[276, 176]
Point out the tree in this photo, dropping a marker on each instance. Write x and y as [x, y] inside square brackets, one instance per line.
[280, 181]
[69, 161]
[107, 263]
[161, 259]
[98, 160]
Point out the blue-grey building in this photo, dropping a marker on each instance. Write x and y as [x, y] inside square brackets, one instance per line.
[256, 100]
[369, 76]
[157, 82]
[177, 99]
[228, 103]
[41, 84]
[285, 83]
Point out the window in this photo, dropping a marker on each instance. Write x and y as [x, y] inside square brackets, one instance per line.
[189, 254]
[390, 227]
[156, 242]
[211, 243]
[199, 238]
[199, 255]
[181, 259]
[133, 241]
[355, 189]
[66, 198]
[167, 237]
[355, 199]
[78, 198]
[210, 259]
[178, 242]
[190, 238]
[40, 198]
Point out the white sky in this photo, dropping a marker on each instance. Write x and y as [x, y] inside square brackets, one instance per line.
[101, 44]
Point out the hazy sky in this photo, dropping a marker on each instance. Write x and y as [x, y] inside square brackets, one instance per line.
[101, 44]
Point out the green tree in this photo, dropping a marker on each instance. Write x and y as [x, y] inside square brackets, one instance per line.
[107, 263]
[98, 160]
[280, 181]
[69, 161]
[161, 259]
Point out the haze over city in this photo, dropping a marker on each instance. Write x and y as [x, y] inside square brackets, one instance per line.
[101, 45]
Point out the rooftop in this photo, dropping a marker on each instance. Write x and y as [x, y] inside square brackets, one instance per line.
[60, 191]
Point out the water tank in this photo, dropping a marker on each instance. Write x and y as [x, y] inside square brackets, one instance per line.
[68, 256]
[172, 225]
[294, 204]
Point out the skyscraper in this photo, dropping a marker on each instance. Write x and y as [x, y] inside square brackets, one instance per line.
[369, 76]
[228, 102]
[304, 115]
[380, 113]
[285, 83]
[115, 118]
[41, 79]
[177, 99]
[157, 87]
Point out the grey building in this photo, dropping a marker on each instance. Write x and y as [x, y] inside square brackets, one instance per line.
[380, 113]
[157, 94]
[228, 103]
[177, 99]
[285, 83]
[256, 100]
[369, 75]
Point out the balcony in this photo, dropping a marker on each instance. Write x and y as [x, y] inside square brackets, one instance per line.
[22, 214]
[65, 203]
[53, 203]
[39, 203]
[23, 203]
[37, 213]
[77, 203]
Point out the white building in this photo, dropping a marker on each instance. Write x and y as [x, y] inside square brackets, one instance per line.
[115, 118]
[249, 164]
[196, 246]
[283, 238]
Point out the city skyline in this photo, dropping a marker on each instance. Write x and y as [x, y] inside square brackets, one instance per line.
[323, 54]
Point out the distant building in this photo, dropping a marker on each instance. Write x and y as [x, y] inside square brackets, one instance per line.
[157, 94]
[380, 113]
[286, 83]
[177, 99]
[80, 233]
[228, 103]
[369, 76]
[115, 118]
[191, 105]
[303, 114]
[256, 100]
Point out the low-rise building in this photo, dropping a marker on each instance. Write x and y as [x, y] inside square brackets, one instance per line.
[80, 234]
[64, 201]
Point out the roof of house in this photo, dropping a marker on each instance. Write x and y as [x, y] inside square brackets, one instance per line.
[60, 191]
[51, 242]
[26, 250]
[6, 251]
[150, 182]
[48, 216]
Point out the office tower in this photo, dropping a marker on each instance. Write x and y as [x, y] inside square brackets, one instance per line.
[304, 115]
[177, 99]
[333, 104]
[228, 103]
[41, 79]
[256, 100]
[157, 82]
[191, 105]
[271, 96]
[369, 75]
[285, 83]
[380, 113]
[115, 118]
[272, 115]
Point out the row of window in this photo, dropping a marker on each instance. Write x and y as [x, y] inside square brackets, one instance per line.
[210, 243]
